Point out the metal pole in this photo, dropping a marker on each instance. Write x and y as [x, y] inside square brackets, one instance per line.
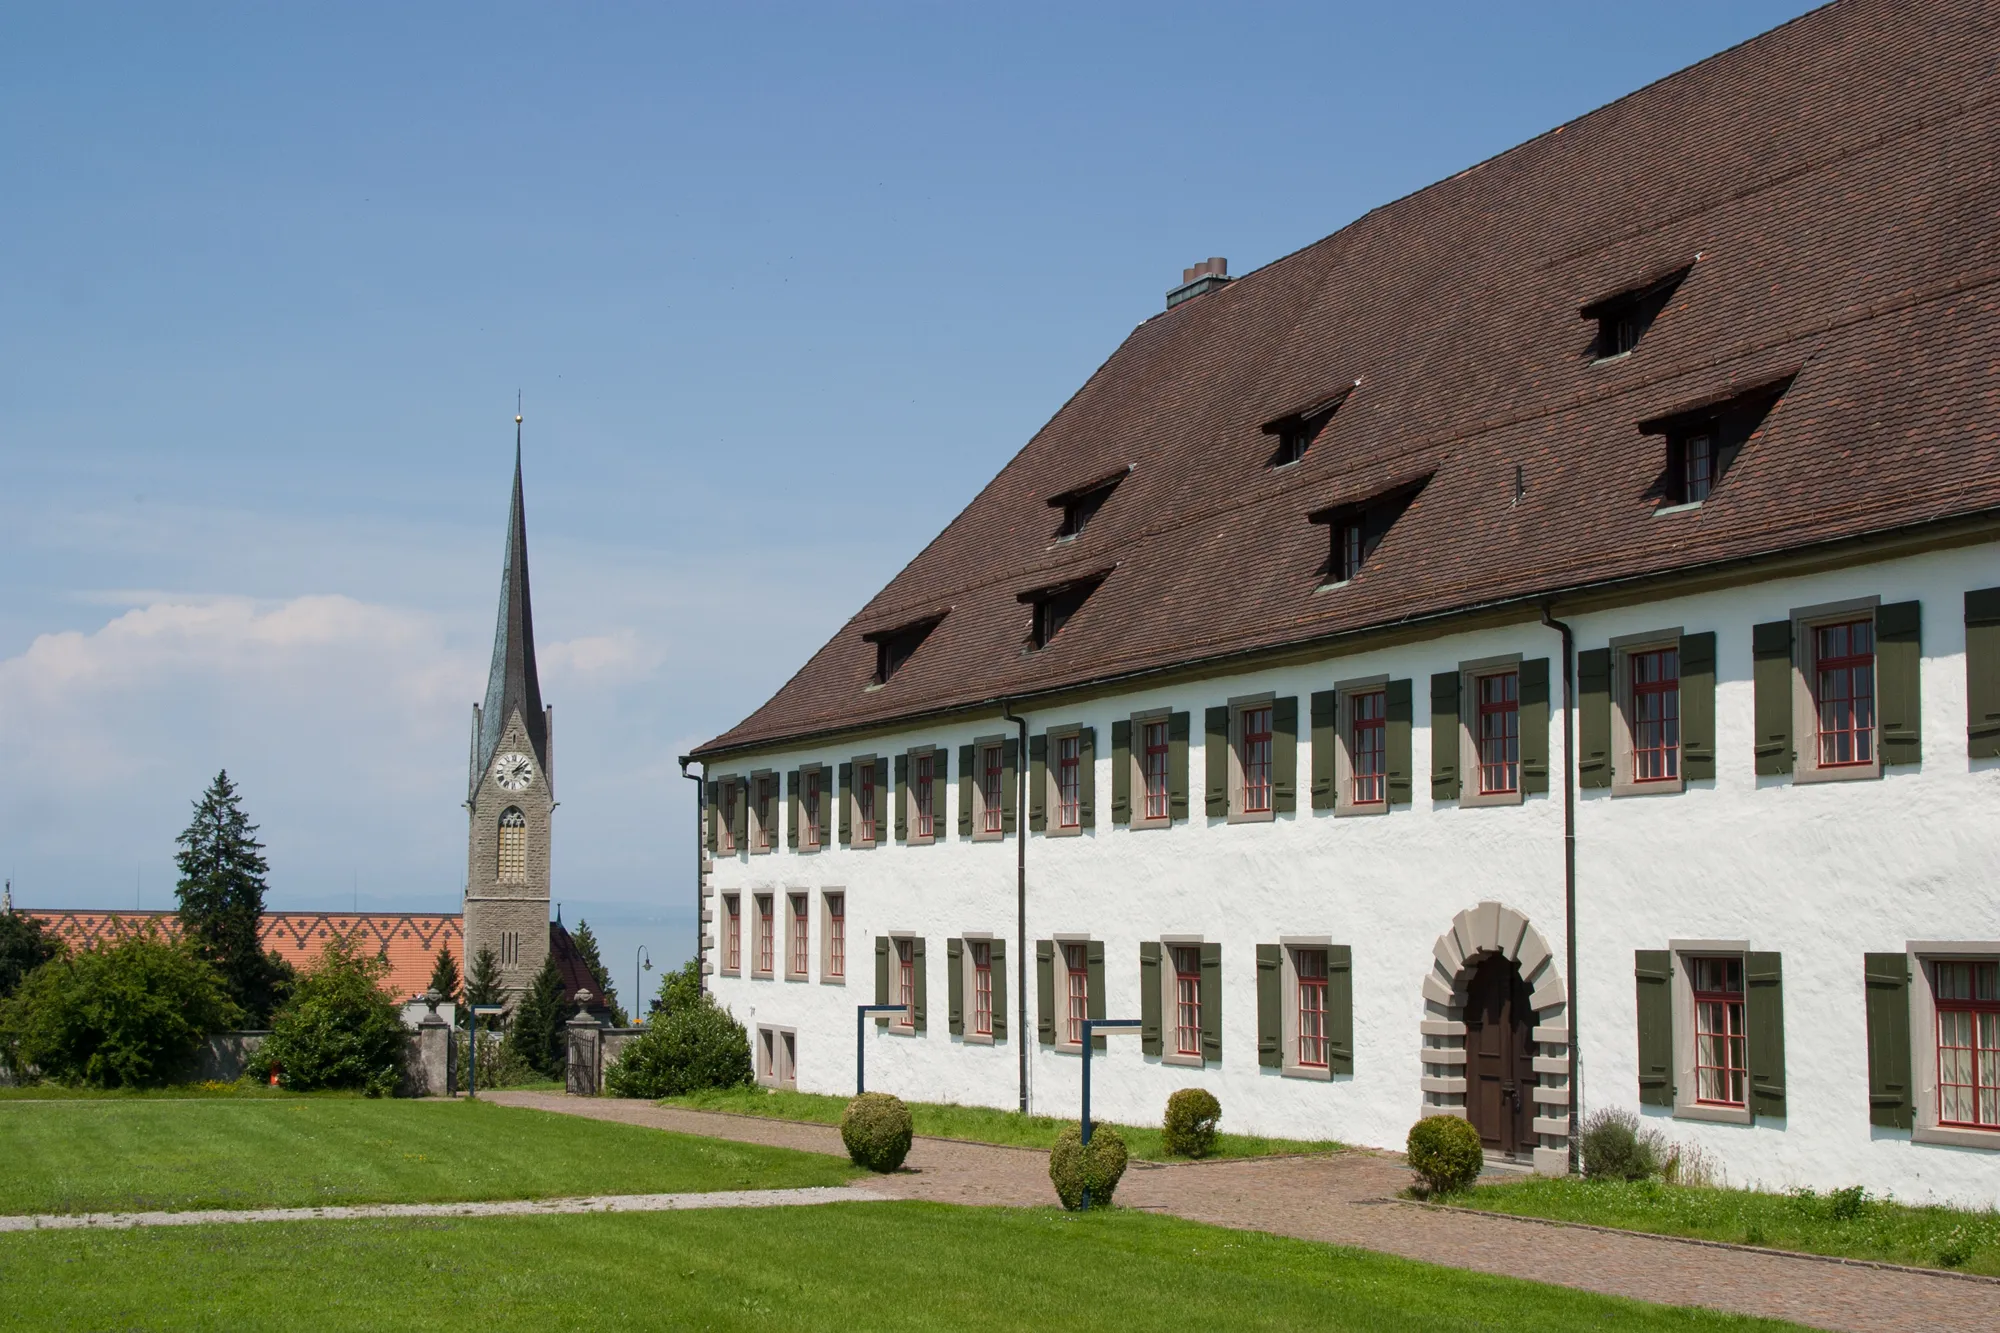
[1090, 1026]
[472, 1058]
[638, 989]
[1020, 893]
[861, 1012]
[1569, 883]
[700, 850]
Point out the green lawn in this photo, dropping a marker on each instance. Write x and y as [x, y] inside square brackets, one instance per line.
[1891, 1232]
[844, 1266]
[142, 1153]
[980, 1124]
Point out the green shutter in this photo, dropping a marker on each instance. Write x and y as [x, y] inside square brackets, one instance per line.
[998, 955]
[1177, 765]
[1215, 746]
[1698, 706]
[968, 761]
[954, 981]
[1038, 782]
[1270, 1023]
[1093, 961]
[1887, 979]
[1653, 971]
[1340, 1008]
[881, 977]
[1982, 673]
[1400, 761]
[903, 785]
[1771, 669]
[714, 817]
[1086, 778]
[847, 804]
[792, 809]
[1325, 722]
[922, 982]
[1150, 1042]
[1045, 991]
[1211, 1003]
[1444, 736]
[1764, 1025]
[1535, 725]
[1010, 770]
[1121, 773]
[1899, 702]
[1285, 754]
[1593, 717]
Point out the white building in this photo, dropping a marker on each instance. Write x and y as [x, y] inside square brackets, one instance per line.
[1268, 597]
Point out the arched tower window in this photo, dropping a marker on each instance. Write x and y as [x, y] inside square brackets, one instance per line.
[513, 845]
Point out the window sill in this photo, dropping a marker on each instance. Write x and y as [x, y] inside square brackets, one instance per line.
[921, 842]
[1663, 787]
[1687, 508]
[1075, 831]
[1341, 811]
[1321, 1075]
[1476, 800]
[1185, 1061]
[1721, 1115]
[762, 976]
[1141, 825]
[797, 976]
[1611, 360]
[978, 1039]
[832, 981]
[989, 837]
[1253, 816]
[1336, 583]
[1955, 1136]
[1843, 773]
[899, 1030]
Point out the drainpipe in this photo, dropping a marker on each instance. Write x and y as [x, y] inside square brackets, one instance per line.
[700, 849]
[1021, 1038]
[1569, 878]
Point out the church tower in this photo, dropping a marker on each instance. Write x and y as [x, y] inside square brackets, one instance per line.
[511, 792]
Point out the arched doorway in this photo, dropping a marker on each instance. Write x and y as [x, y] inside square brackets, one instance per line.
[1500, 1056]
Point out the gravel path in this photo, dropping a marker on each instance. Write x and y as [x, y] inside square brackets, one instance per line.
[1348, 1199]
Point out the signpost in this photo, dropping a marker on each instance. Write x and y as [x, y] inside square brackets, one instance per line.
[1090, 1027]
[861, 1012]
[472, 1047]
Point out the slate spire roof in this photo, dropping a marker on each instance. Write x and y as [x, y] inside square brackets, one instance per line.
[511, 684]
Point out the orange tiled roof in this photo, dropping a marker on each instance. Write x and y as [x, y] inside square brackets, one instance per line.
[409, 940]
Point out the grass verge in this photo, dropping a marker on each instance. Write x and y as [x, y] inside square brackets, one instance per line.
[143, 1154]
[980, 1124]
[1927, 1237]
[843, 1266]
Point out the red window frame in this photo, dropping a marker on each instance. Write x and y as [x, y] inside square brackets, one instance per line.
[801, 951]
[1656, 714]
[1154, 743]
[766, 926]
[1967, 995]
[1076, 969]
[982, 988]
[732, 939]
[1368, 746]
[1187, 999]
[906, 981]
[1499, 698]
[1309, 965]
[1844, 692]
[921, 785]
[1069, 781]
[864, 802]
[809, 804]
[1255, 757]
[992, 772]
[836, 934]
[1721, 1073]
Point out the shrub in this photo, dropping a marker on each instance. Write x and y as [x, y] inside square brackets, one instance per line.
[1073, 1167]
[24, 946]
[1190, 1124]
[499, 1065]
[876, 1129]
[1616, 1148]
[129, 1016]
[694, 1046]
[1444, 1151]
[340, 1029]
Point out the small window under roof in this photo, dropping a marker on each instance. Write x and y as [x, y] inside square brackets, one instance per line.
[893, 647]
[1357, 527]
[1624, 316]
[1297, 430]
[1080, 504]
[1055, 605]
[1705, 437]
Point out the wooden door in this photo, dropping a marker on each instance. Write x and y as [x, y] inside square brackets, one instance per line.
[1499, 1054]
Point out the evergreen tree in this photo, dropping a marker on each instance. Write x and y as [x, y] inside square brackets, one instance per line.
[586, 945]
[24, 946]
[482, 984]
[221, 892]
[535, 1032]
[444, 975]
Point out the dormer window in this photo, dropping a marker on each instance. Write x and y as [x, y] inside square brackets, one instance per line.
[1623, 318]
[1055, 605]
[893, 647]
[1296, 431]
[1356, 529]
[1704, 440]
[1080, 504]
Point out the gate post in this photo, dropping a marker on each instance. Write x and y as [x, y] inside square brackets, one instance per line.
[586, 1050]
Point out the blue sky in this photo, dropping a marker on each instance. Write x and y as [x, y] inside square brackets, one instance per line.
[781, 286]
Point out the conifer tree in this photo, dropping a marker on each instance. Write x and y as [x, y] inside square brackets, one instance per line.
[535, 1032]
[221, 893]
[482, 983]
[24, 946]
[444, 975]
[586, 945]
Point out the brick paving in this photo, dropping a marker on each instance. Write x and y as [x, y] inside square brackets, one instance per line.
[1347, 1199]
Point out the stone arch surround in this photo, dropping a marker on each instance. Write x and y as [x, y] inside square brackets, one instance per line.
[1476, 932]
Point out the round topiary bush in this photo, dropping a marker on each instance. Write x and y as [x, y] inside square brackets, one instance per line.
[691, 1047]
[1074, 1167]
[1190, 1123]
[1445, 1153]
[876, 1129]
[1615, 1148]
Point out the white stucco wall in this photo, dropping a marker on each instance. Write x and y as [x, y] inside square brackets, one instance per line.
[1822, 873]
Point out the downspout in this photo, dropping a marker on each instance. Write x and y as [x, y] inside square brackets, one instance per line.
[1020, 895]
[700, 850]
[1569, 878]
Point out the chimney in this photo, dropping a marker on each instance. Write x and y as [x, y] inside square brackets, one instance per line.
[1203, 277]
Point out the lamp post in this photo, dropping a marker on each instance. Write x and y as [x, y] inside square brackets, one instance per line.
[472, 1046]
[861, 1012]
[1090, 1027]
[638, 990]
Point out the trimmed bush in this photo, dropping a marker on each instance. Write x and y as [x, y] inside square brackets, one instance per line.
[1444, 1151]
[340, 1029]
[876, 1129]
[1073, 1167]
[1189, 1130]
[694, 1046]
[1616, 1148]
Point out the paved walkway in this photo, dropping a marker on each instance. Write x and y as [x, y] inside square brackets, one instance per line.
[1347, 1199]
[601, 1203]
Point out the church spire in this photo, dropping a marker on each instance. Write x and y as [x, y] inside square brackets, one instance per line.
[512, 684]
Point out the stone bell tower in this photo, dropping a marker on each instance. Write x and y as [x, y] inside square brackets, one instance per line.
[510, 786]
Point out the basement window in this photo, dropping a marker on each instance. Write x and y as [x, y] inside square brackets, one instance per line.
[893, 647]
[1080, 504]
[1056, 605]
[1623, 318]
[1355, 529]
[1703, 441]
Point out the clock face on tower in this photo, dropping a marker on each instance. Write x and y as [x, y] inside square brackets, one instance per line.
[514, 771]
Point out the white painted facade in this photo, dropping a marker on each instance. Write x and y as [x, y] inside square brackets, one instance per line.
[1820, 872]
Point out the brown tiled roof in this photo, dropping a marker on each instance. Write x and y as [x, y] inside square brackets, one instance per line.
[1837, 178]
